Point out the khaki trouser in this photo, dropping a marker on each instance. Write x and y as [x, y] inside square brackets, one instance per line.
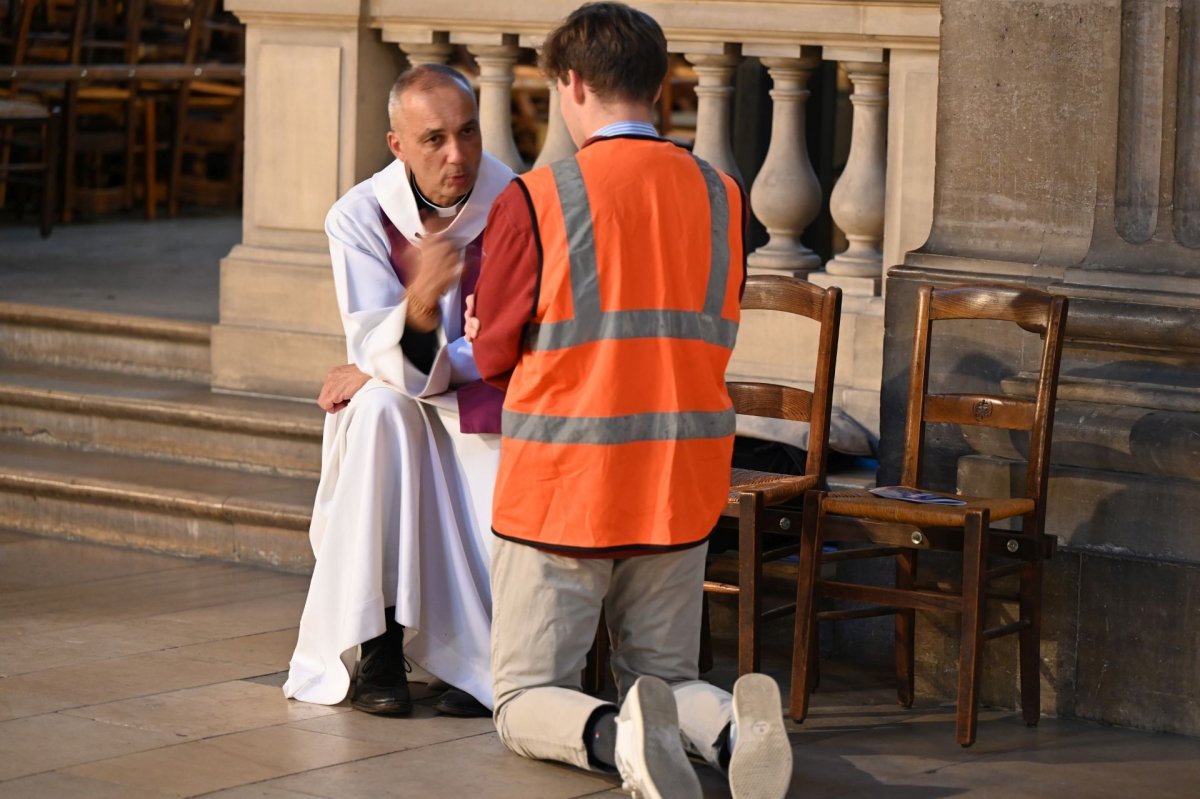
[545, 609]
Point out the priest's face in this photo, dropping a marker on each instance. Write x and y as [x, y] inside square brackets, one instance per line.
[435, 132]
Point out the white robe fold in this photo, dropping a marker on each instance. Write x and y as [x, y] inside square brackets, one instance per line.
[403, 509]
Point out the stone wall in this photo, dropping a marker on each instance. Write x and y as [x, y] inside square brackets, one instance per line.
[1067, 136]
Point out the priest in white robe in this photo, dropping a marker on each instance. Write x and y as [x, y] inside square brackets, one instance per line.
[401, 523]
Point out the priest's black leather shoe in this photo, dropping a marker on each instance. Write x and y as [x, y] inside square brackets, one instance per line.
[454, 702]
[381, 686]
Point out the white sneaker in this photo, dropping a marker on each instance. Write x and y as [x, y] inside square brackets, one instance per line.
[761, 764]
[649, 751]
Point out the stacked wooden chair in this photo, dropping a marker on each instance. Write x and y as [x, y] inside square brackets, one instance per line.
[898, 530]
[115, 131]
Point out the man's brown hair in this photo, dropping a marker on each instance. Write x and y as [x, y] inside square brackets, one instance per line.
[620, 52]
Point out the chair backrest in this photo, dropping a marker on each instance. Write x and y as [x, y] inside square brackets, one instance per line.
[1033, 310]
[796, 296]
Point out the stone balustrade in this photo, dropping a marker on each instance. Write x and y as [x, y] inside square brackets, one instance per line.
[887, 48]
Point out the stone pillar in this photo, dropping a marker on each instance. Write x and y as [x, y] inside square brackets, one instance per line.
[557, 144]
[857, 201]
[1078, 177]
[496, 54]
[316, 115]
[421, 46]
[714, 66]
[786, 196]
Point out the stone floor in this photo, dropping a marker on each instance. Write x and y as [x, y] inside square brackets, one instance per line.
[123, 264]
[133, 675]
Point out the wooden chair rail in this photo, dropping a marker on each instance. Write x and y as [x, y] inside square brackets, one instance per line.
[1006, 629]
[981, 410]
[771, 400]
[62, 73]
[893, 597]
[1026, 308]
[778, 293]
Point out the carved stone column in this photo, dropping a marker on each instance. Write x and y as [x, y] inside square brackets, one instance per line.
[425, 47]
[857, 202]
[557, 144]
[713, 96]
[496, 54]
[316, 91]
[786, 196]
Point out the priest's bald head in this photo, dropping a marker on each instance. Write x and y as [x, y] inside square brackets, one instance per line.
[435, 131]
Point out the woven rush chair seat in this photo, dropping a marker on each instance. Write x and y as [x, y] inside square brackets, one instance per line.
[774, 488]
[864, 503]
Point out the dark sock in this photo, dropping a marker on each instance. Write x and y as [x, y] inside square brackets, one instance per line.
[724, 750]
[600, 737]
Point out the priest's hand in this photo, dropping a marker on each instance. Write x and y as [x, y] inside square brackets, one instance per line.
[435, 267]
[471, 321]
[341, 384]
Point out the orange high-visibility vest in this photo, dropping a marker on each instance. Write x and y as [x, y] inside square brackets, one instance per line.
[617, 426]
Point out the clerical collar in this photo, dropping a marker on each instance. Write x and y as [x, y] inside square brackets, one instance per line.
[444, 211]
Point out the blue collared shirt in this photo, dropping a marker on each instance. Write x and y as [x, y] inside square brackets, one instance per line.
[625, 129]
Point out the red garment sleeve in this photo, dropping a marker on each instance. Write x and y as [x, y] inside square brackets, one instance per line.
[507, 289]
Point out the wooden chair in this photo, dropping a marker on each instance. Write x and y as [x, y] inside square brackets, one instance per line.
[753, 493]
[207, 152]
[900, 529]
[29, 139]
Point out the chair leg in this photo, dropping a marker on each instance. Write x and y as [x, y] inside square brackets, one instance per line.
[50, 176]
[597, 660]
[706, 654]
[905, 620]
[804, 640]
[1030, 641]
[749, 581]
[970, 643]
[70, 144]
[177, 144]
[5, 154]
[150, 156]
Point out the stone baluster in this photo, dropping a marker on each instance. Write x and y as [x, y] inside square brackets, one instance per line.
[496, 54]
[786, 195]
[857, 201]
[557, 144]
[714, 93]
[426, 47]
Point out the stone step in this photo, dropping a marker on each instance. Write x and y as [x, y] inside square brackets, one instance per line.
[92, 339]
[157, 417]
[147, 503]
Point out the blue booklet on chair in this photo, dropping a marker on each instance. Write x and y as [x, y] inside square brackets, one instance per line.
[915, 495]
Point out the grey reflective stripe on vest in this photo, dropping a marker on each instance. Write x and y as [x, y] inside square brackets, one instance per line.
[639, 324]
[589, 323]
[679, 426]
[581, 240]
[718, 272]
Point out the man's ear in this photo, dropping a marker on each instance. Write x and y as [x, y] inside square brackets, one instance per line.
[393, 143]
[576, 87]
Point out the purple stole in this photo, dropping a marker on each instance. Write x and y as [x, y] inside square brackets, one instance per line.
[479, 403]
